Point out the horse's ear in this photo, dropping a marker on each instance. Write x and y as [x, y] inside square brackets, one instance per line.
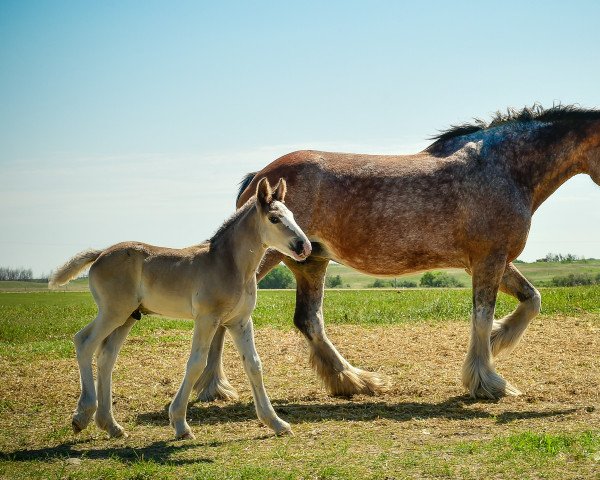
[264, 195]
[279, 190]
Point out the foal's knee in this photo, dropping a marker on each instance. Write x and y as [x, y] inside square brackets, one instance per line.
[79, 341]
[254, 366]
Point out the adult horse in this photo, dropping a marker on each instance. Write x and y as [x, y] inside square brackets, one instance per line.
[465, 201]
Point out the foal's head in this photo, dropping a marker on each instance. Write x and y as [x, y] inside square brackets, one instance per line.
[278, 229]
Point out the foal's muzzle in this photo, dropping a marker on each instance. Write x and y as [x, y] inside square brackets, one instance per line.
[301, 248]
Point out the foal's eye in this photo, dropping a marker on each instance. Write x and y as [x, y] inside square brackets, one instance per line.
[273, 219]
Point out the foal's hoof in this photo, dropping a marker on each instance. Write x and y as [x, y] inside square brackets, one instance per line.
[282, 428]
[187, 435]
[117, 432]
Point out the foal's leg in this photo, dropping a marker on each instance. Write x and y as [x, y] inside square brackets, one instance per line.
[204, 330]
[340, 378]
[243, 337]
[213, 383]
[106, 358]
[507, 331]
[87, 340]
[478, 374]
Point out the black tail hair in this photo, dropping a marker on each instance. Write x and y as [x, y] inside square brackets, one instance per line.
[244, 184]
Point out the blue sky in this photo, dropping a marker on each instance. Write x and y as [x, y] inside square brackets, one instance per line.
[136, 120]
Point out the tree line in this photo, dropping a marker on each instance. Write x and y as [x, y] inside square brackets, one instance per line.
[19, 274]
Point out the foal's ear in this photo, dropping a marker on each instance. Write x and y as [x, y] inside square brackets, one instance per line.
[279, 190]
[264, 195]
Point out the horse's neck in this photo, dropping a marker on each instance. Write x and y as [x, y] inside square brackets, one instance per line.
[562, 168]
[548, 167]
[241, 242]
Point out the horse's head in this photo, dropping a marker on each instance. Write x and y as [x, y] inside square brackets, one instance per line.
[278, 229]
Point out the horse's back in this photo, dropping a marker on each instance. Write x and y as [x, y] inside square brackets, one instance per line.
[387, 214]
[136, 273]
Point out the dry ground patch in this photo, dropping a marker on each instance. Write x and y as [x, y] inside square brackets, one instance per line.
[424, 427]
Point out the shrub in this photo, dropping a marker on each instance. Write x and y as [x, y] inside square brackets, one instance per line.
[439, 279]
[378, 283]
[575, 279]
[333, 282]
[279, 277]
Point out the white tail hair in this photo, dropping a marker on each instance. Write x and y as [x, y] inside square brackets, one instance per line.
[72, 268]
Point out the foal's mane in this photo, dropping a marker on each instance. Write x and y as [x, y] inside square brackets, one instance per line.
[232, 220]
[563, 113]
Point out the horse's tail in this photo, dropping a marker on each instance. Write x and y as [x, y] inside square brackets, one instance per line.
[72, 268]
[244, 184]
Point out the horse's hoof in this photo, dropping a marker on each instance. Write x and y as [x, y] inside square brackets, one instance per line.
[187, 435]
[281, 428]
[76, 427]
[118, 433]
[497, 394]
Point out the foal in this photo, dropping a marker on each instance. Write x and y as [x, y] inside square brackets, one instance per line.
[213, 283]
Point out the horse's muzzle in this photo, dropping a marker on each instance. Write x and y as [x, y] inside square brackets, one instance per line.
[301, 248]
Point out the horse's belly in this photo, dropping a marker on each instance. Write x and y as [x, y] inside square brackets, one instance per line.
[385, 260]
[169, 304]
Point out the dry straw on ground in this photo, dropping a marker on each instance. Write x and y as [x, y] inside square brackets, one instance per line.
[557, 366]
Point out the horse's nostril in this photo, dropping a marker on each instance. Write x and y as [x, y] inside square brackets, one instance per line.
[299, 248]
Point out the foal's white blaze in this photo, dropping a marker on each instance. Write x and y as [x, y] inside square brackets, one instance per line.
[279, 238]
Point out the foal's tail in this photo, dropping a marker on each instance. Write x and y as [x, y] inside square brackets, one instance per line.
[72, 268]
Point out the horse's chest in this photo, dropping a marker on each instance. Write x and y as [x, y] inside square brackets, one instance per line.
[240, 305]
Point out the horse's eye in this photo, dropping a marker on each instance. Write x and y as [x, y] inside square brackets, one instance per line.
[273, 219]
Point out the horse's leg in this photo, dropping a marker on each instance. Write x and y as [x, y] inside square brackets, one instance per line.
[340, 378]
[87, 341]
[213, 383]
[478, 374]
[243, 337]
[507, 331]
[106, 358]
[204, 330]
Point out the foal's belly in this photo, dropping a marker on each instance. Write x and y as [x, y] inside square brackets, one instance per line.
[170, 304]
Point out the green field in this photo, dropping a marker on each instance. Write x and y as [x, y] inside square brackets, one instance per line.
[539, 273]
[424, 427]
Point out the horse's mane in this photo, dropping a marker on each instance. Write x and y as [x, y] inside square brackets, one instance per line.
[563, 113]
[247, 180]
[232, 220]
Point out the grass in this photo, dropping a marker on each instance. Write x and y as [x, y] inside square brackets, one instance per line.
[424, 427]
[537, 272]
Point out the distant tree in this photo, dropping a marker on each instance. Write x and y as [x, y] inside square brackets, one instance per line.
[560, 258]
[18, 274]
[406, 284]
[333, 282]
[279, 277]
[439, 279]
